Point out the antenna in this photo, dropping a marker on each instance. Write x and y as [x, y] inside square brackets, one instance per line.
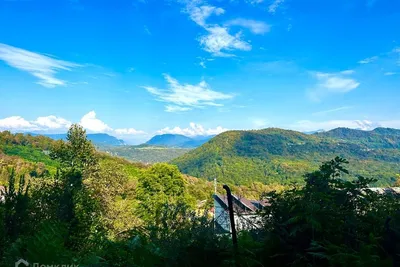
[215, 186]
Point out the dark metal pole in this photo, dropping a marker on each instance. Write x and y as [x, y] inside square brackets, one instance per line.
[232, 219]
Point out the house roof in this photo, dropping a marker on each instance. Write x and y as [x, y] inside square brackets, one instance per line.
[241, 204]
[388, 190]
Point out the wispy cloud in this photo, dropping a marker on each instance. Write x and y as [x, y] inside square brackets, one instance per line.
[128, 131]
[172, 108]
[41, 66]
[256, 27]
[275, 5]
[332, 83]
[193, 130]
[324, 112]
[254, 2]
[146, 30]
[199, 14]
[368, 60]
[389, 73]
[187, 96]
[218, 41]
[203, 61]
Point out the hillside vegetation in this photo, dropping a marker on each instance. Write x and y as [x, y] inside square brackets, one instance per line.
[281, 156]
[98, 210]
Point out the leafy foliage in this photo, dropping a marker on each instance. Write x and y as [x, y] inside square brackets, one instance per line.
[97, 210]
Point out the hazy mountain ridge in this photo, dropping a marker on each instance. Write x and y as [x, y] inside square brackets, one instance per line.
[97, 138]
[178, 140]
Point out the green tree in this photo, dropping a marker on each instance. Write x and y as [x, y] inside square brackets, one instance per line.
[160, 185]
[78, 208]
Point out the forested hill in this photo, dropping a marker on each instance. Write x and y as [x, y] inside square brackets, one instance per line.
[276, 155]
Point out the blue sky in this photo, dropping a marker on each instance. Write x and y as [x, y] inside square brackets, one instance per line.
[137, 68]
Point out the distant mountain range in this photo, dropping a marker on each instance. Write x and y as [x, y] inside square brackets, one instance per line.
[178, 140]
[100, 139]
[281, 156]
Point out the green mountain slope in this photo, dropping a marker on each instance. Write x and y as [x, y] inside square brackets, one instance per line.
[275, 155]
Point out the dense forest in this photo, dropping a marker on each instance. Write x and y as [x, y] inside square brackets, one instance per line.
[282, 156]
[65, 203]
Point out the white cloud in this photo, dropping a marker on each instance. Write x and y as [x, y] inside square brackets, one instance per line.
[336, 83]
[219, 40]
[274, 6]
[128, 131]
[201, 13]
[256, 27]
[56, 124]
[52, 122]
[91, 123]
[368, 60]
[193, 130]
[254, 2]
[202, 63]
[347, 72]
[42, 67]
[332, 83]
[171, 108]
[146, 30]
[187, 96]
[17, 123]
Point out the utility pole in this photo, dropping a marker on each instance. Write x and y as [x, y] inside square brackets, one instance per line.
[232, 219]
